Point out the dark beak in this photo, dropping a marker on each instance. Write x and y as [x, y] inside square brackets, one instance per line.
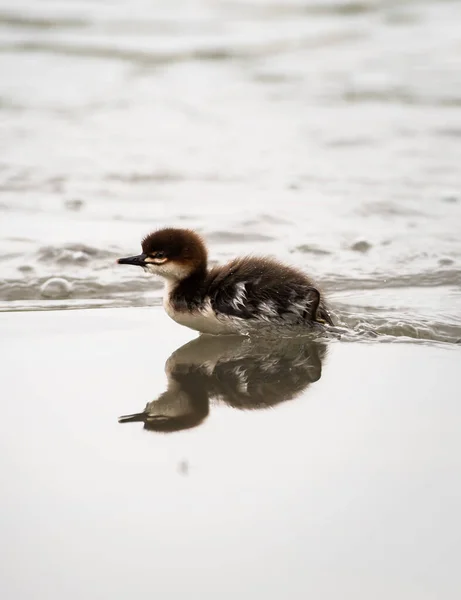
[133, 260]
[135, 418]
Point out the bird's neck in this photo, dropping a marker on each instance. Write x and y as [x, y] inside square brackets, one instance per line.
[185, 293]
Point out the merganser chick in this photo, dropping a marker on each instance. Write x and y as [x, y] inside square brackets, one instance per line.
[247, 295]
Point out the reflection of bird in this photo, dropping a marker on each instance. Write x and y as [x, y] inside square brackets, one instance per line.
[246, 373]
[245, 296]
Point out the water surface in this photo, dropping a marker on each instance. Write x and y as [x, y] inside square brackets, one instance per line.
[324, 133]
[349, 487]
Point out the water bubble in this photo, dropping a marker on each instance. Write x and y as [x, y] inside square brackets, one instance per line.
[56, 287]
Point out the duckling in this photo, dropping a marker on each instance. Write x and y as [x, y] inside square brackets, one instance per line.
[247, 296]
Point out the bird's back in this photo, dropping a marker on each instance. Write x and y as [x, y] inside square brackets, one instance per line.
[262, 289]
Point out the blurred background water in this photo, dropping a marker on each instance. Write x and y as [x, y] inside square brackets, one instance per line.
[326, 133]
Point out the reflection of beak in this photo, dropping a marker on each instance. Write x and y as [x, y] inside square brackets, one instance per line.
[139, 260]
[132, 418]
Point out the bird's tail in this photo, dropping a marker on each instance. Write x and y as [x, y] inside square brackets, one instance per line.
[324, 317]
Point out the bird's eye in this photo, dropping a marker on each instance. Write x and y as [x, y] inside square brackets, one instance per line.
[159, 254]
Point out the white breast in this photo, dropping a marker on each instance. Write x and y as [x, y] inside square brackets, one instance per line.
[204, 320]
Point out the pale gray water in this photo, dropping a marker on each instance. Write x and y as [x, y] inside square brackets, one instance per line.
[325, 133]
[350, 490]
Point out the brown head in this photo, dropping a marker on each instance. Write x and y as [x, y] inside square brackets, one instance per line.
[171, 253]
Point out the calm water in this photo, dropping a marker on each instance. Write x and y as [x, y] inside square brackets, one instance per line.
[325, 133]
[337, 477]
